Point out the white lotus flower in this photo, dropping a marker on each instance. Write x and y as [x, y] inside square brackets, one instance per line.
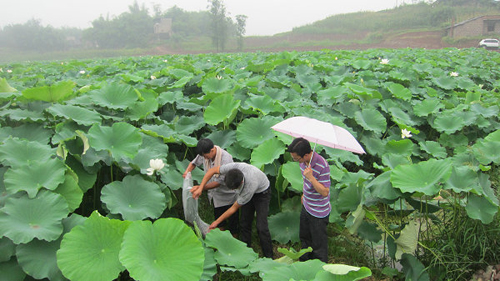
[405, 134]
[9, 70]
[154, 165]
[82, 71]
[384, 61]
[153, 77]
[454, 74]
[219, 77]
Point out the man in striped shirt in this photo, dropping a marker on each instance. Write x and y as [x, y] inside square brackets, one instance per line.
[315, 199]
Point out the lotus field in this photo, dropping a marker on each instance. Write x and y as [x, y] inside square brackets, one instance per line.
[83, 198]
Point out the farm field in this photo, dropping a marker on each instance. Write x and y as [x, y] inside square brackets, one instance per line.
[78, 135]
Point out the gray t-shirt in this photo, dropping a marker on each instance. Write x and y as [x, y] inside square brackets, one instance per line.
[220, 196]
[254, 180]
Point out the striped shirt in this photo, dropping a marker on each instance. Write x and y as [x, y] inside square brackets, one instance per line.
[314, 203]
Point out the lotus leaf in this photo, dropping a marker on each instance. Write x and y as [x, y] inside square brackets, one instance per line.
[187, 125]
[78, 114]
[53, 93]
[295, 271]
[284, 226]
[115, 96]
[408, 240]
[254, 131]
[38, 259]
[486, 152]
[267, 152]
[5, 87]
[342, 272]
[217, 86]
[165, 250]
[7, 249]
[222, 109]
[224, 139]
[230, 252]
[427, 107]
[15, 152]
[121, 139]
[480, 208]
[413, 268]
[31, 132]
[434, 149]
[70, 190]
[381, 187]
[134, 198]
[446, 122]
[371, 119]
[462, 179]
[423, 177]
[22, 219]
[399, 91]
[265, 104]
[209, 266]
[291, 172]
[12, 271]
[89, 252]
[35, 176]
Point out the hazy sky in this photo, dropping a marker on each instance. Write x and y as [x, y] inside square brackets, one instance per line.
[265, 17]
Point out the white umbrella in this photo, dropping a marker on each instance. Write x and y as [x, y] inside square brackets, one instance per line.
[319, 132]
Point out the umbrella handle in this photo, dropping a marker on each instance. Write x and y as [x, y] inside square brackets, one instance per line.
[312, 155]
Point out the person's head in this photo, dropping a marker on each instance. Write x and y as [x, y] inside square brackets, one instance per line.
[300, 150]
[206, 148]
[233, 179]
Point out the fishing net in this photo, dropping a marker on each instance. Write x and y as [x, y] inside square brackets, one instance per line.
[191, 206]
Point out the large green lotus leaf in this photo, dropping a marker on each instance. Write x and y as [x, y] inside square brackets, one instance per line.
[23, 115]
[427, 107]
[35, 176]
[209, 266]
[32, 132]
[413, 269]
[38, 259]
[78, 114]
[371, 119]
[5, 87]
[445, 82]
[254, 131]
[401, 117]
[11, 271]
[295, 271]
[187, 125]
[53, 93]
[310, 82]
[480, 208]
[134, 198]
[163, 131]
[393, 160]
[222, 109]
[7, 249]
[423, 177]
[462, 179]
[267, 152]
[434, 149]
[495, 136]
[230, 251]
[15, 152]
[143, 108]
[22, 219]
[86, 179]
[291, 172]
[66, 131]
[224, 139]
[446, 122]
[408, 240]
[122, 140]
[486, 152]
[488, 112]
[89, 252]
[342, 272]
[399, 91]
[284, 227]
[363, 92]
[265, 104]
[115, 96]
[3, 192]
[401, 147]
[165, 250]
[217, 86]
[71, 191]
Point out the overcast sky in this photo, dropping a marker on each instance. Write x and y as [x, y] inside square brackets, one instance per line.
[265, 17]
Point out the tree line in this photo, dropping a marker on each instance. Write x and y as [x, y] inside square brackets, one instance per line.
[131, 29]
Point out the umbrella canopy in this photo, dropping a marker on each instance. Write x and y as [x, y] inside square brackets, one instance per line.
[319, 132]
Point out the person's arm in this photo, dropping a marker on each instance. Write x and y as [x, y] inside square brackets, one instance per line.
[229, 212]
[189, 168]
[208, 175]
[320, 188]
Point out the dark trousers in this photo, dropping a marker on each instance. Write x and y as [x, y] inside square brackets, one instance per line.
[231, 223]
[312, 233]
[259, 205]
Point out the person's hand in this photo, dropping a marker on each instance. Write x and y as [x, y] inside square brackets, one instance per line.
[308, 173]
[213, 225]
[196, 191]
[184, 175]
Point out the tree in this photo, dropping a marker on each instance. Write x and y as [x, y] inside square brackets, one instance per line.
[219, 24]
[241, 22]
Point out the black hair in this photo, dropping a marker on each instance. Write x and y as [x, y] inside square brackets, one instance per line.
[233, 178]
[300, 146]
[204, 146]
